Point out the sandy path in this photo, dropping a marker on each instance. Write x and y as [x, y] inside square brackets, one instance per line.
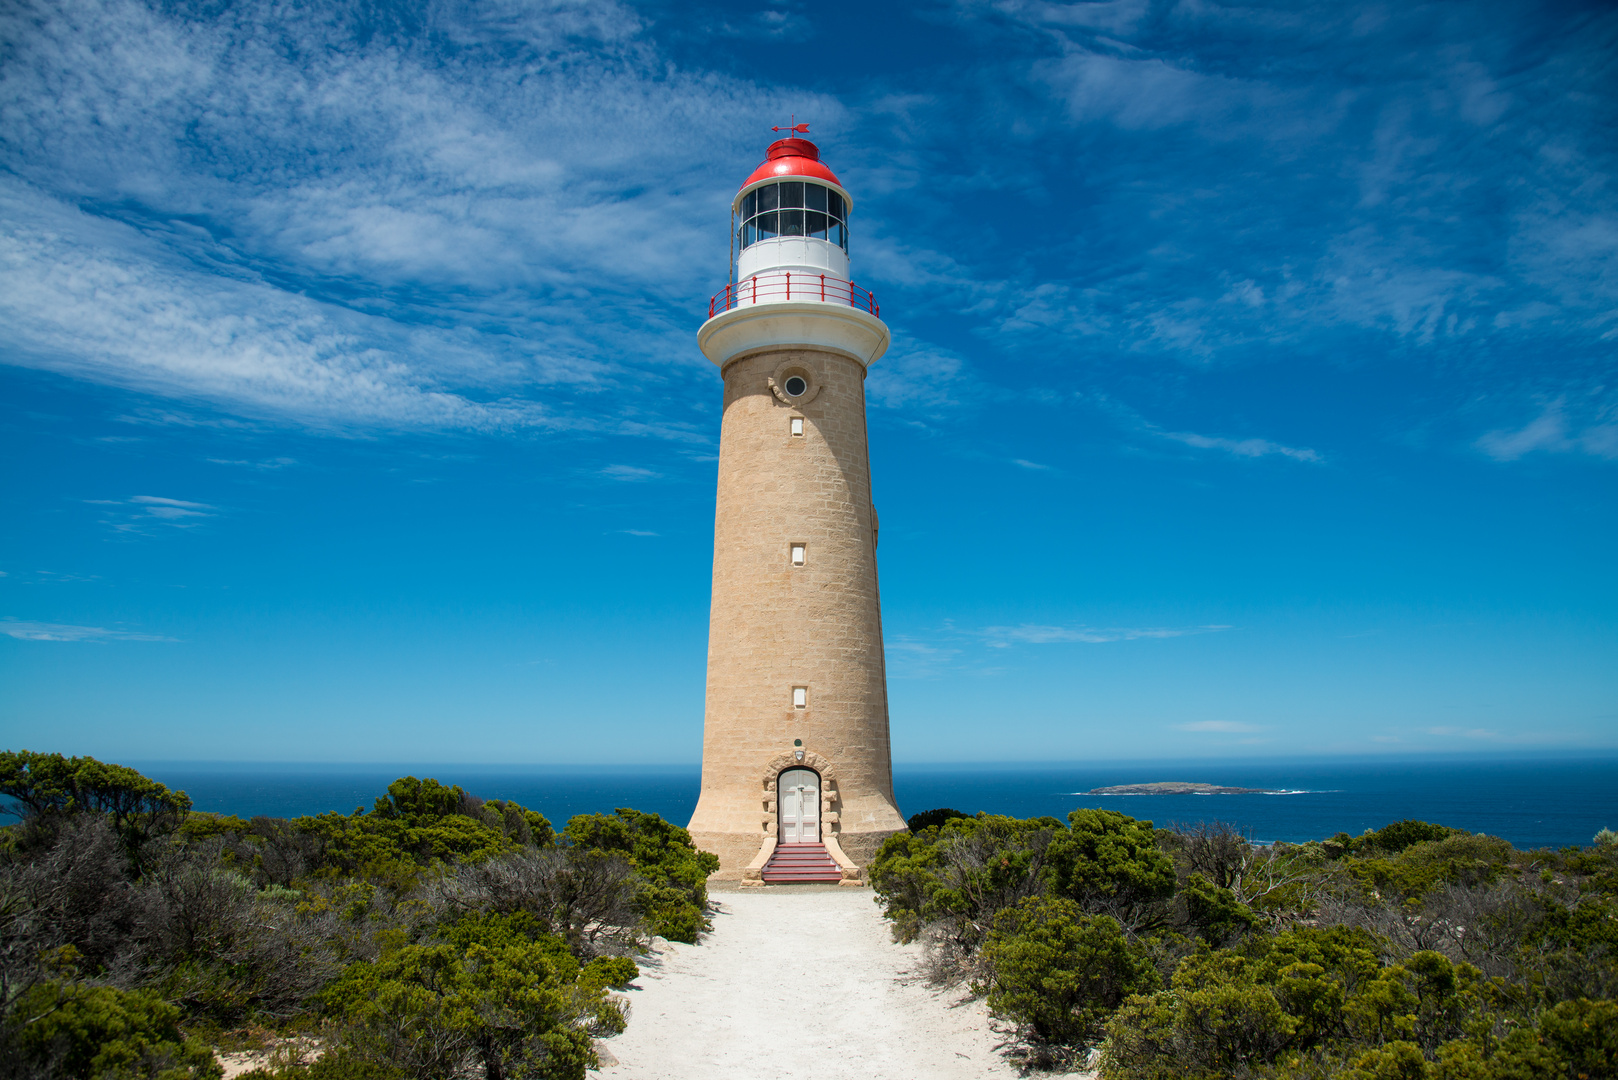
[795, 982]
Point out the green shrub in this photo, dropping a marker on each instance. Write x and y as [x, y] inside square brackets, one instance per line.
[417, 825]
[488, 993]
[1398, 1060]
[931, 819]
[1347, 955]
[1215, 913]
[1394, 838]
[1465, 859]
[674, 895]
[904, 875]
[1428, 1000]
[1111, 863]
[1057, 972]
[48, 786]
[1584, 1033]
[200, 825]
[958, 876]
[90, 1032]
[1217, 1020]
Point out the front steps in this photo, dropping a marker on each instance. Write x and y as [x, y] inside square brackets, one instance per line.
[800, 864]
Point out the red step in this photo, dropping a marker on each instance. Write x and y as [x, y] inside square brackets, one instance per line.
[801, 864]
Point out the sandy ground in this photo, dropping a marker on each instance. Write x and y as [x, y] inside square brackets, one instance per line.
[797, 982]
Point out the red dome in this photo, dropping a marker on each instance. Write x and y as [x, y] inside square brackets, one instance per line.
[792, 157]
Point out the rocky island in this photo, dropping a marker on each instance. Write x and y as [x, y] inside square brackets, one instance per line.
[1179, 787]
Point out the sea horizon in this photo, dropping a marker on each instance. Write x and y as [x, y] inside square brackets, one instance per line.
[1532, 801]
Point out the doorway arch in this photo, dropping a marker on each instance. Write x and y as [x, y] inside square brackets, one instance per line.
[797, 800]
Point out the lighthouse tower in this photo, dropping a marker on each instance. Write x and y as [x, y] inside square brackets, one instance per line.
[795, 753]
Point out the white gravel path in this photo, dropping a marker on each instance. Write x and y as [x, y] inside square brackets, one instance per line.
[798, 982]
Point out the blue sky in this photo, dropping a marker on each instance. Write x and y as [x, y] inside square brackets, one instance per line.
[1252, 388]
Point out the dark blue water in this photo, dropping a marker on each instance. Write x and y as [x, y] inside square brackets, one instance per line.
[1532, 803]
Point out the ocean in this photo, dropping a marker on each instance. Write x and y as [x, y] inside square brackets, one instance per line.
[1532, 803]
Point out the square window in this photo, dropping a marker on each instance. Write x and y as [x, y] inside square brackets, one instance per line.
[797, 554]
[800, 697]
[797, 425]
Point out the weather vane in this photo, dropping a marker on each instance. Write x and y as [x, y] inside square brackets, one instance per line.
[794, 126]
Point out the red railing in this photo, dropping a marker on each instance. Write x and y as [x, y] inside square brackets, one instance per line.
[770, 287]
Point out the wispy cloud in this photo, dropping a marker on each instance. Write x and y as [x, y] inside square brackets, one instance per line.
[1558, 429]
[1249, 448]
[1360, 203]
[1032, 634]
[138, 512]
[1223, 727]
[631, 473]
[300, 218]
[912, 658]
[27, 630]
[917, 376]
[267, 464]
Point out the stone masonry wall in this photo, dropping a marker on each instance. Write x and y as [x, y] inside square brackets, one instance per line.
[775, 626]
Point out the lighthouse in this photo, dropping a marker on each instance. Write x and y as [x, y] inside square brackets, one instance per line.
[797, 771]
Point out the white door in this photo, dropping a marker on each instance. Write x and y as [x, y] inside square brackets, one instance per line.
[797, 797]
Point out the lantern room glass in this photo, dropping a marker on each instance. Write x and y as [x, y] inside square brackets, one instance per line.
[793, 208]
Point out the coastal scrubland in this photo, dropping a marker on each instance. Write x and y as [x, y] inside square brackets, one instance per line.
[433, 935]
[436, 935]
[1412, 952]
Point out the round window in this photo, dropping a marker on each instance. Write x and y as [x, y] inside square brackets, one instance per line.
[796, 386]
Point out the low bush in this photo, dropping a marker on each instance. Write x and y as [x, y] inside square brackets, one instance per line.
[673, 873]
[493, 993]
[80, 1032]
[1412, 950]
[436, 934]
[931, 819]
[1059, 973]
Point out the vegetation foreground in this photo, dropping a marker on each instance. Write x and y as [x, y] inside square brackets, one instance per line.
[439, 935]
[1415, 952]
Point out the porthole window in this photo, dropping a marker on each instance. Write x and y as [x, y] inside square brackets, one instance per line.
[796, 385]
[793, 208]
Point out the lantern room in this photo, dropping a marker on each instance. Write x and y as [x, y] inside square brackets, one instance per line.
[789, 285]
[791, 215]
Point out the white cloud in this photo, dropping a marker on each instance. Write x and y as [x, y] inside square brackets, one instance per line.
[1032, 634]
[1557, 430]
[268, 464]
[631, 473]
[137, 513]
[27, 630]
[269, 214]
[1140, 92]
[917, 376]
[1252, 448]
[1221, 726]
